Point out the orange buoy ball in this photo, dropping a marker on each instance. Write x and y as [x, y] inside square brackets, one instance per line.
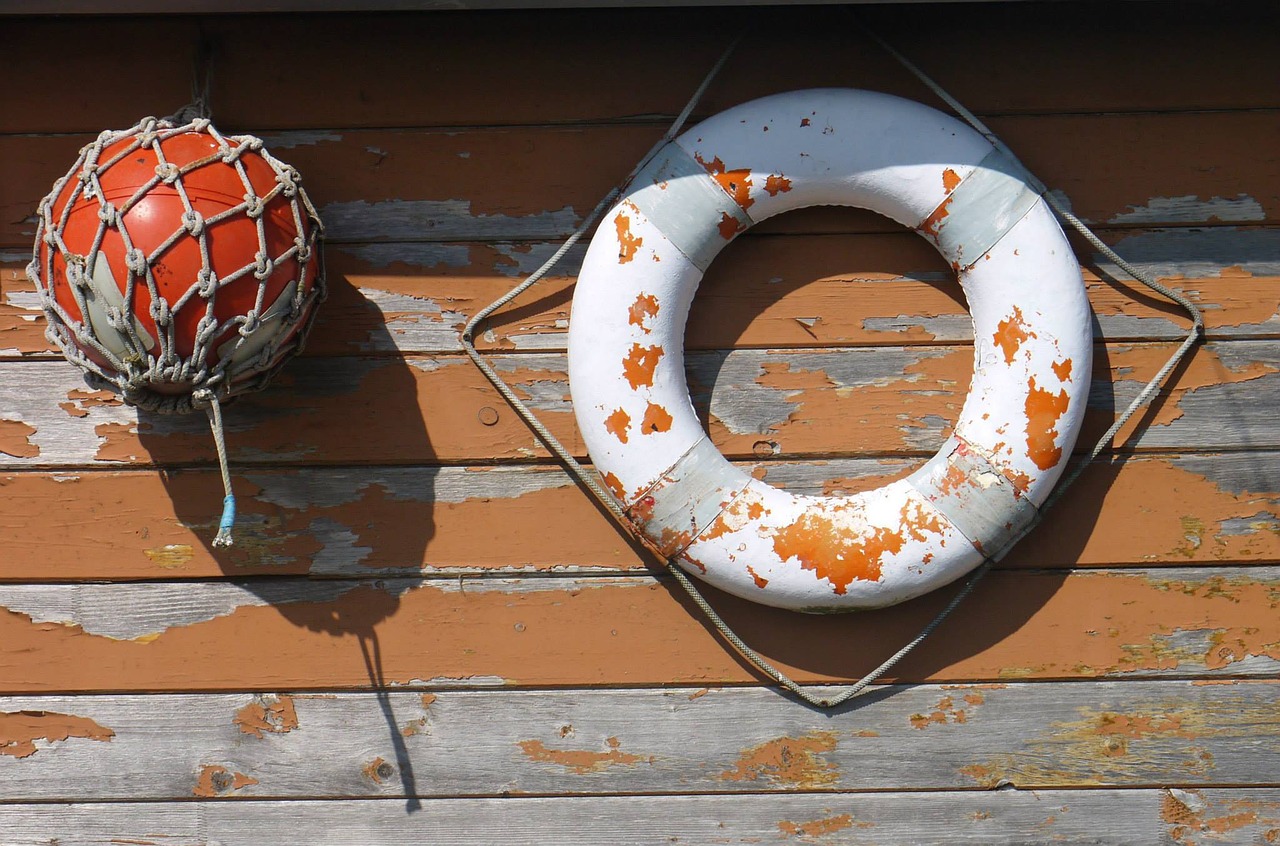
[179, 267]
[172, 260]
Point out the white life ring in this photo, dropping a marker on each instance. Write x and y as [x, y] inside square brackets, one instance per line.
[1032, 350]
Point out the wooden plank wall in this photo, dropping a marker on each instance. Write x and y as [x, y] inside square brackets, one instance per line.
[427, 633]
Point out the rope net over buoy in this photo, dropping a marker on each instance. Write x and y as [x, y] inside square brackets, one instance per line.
[179, 268]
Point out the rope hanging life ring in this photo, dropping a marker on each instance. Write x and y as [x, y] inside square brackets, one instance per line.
[1032, 350]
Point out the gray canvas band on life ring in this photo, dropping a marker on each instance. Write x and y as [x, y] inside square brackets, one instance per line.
[983, 208]
[986, 507]
[681, 198]
[687, 498]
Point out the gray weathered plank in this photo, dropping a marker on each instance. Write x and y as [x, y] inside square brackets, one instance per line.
[680, 740]
[538, 182]
[1150, 817]
[759, 402]
[793, 291]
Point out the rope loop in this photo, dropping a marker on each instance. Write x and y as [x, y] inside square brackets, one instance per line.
[250, 323]
[76, 277]
[206, 329]
[160, 311]
[253, 207]
[193, 222]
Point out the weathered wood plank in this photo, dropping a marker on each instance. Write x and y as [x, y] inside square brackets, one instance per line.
[758, 402]
[537, 183]
[1149, 817]
[551, 631]
[406, 521]
[682, 740]
[795, 291]
[475, 69]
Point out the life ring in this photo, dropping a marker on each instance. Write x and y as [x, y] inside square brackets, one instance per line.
[1032, 351]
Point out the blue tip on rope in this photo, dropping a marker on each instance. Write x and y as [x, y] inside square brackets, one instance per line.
[228, 520]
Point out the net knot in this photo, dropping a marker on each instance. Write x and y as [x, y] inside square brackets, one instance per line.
[250, 323]
[109, 214]
[135, 261]
[168, 172]
[253, 206]
[193, 222]
[206, 282]
[263, 267]
[288, 179]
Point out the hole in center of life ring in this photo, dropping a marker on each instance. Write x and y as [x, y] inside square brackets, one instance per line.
[831, 348]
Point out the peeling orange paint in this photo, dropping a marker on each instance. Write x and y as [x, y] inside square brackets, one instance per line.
[950, 179]
[656, 419]
[616, 424]
[761, 581]
[945, 712]
[645, 306]
[818, 828]
[615, 486]
[20, 730]
[929, 226]
[639, 365]
[827, 546]
[214, 780]
[1062, 369]
[1011, 333]
[377, 770]
[582, 761]
[735, 183]
[628, 243]
[729, 226]
[1044, 409]
[777, 184]
[15, 439]
[789, 761]
[278, 716]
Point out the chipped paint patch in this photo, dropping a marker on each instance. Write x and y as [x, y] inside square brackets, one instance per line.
[154, 608]
[789, 761]
[820, 827]
[215, 780]
[837, 546]
[438, 220]
[1191, 209]
[645, 307]
[269, 714]
[628, 243]
[583, 761]
[23, 733]
[172, 556]
[1011, 333]
[416, 255]
[15, 439]
[616, 424]
[948, 710]
[656, 419]
[1043, 410]
[639, 365]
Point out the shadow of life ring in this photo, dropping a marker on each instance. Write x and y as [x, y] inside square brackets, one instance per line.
[1032, 350]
